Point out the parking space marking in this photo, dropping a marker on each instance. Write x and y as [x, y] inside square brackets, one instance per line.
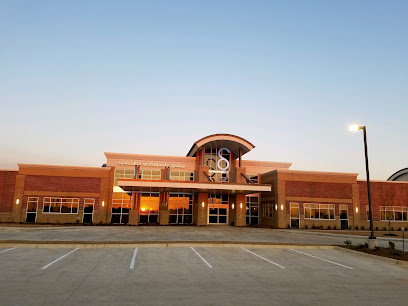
[132, 263]
[53, 262]
[202, 258]
[264, 258]
[7, 250]
[336, 263]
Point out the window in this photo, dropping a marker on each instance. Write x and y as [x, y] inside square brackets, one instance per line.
[123, 174]
[180, 208]
[393, 213]
[343, 212]
[61, 205]
[149, 207]
[253, 178]
[268, 210]
[150, 174]
[181, 176]
[319, 211]
[120, 207]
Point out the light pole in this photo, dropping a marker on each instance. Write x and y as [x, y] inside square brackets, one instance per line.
[372, 243]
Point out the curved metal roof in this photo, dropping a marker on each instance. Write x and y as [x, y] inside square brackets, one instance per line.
[232, 142]
[398, 175]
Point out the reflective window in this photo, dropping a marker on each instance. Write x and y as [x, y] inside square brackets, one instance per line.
[180, 208]
[218, 209]
[393, 213]
[120, 207]
[319, 211]
[218, 161]
[61, 205]
[150, 174]
[149, 208]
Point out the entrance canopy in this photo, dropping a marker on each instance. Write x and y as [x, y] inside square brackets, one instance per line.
[237, 145]
[190, 187]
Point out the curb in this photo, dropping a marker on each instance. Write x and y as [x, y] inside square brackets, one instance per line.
[401, 263]
[149, 244]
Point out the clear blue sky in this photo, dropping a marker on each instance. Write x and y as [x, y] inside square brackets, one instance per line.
[78, 78]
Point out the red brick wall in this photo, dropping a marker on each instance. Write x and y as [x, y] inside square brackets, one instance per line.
[382, 194]
[62, 184]
[7, 186]
[318, 190]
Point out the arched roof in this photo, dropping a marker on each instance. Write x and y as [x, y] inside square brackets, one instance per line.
[229, 141]
[401, 175]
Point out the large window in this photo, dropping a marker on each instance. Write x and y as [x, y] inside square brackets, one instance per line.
[61, 205]
[218, 161]
[181, 176]
[393, 213]
[180, 208]
[149, 207]
[218, 209]
[252, 210]
[319, 211]
[120, 207]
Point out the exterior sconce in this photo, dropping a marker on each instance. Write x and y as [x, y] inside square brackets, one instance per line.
[17, 201]
[240, 205]
[232, 205]
[276, 206]
[103, 203]
[202, 204]
[357, 210]
[281, 206]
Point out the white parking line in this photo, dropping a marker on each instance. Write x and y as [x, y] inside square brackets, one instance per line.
[336, 263]
[202, 258]
[53, 262]
[264, 258]
[132, 263]
[7, 250]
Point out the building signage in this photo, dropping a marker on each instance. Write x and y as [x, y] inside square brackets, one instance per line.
[152, 164]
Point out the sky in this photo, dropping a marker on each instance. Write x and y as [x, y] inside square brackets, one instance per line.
[80, 78]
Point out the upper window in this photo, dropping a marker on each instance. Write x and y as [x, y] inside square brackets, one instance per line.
[253, 178]
[181, 176]
[150, 174]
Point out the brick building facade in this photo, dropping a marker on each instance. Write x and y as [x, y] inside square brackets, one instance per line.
[211, 185]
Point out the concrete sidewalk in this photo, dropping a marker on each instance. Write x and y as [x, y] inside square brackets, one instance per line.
[136, 234]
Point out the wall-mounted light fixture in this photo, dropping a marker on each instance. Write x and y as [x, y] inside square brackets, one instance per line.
[276, 206]
[103, 203]
[357, 210]
[17, 201]
[240, 205]
[232, 205]
[281, 206]
[202, 204]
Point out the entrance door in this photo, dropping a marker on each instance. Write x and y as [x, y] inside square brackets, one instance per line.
[88, 211]
[217, 213]
[32, 205]
[294, 215]
[343, 209]
[149, 208]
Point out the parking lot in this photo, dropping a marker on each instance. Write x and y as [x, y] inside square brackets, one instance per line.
[197, 275]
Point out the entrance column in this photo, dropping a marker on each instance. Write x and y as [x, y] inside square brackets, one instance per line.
[201, 209]
[17, 214]
[239, 212]
[134, 212]
[164, 208]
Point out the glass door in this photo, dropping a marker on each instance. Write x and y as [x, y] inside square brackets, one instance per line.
[149, 208]
[343, 209]
[88, 211]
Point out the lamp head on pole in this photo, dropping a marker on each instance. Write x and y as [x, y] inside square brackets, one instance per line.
[355, 127]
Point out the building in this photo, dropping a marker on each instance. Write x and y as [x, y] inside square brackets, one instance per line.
[212, 184]
[400, 176]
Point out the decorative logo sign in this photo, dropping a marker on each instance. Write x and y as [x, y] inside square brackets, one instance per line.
[226, 168]
[215, 166]
[151, 164]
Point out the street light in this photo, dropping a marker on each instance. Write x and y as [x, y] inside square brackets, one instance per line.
[355, 128]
